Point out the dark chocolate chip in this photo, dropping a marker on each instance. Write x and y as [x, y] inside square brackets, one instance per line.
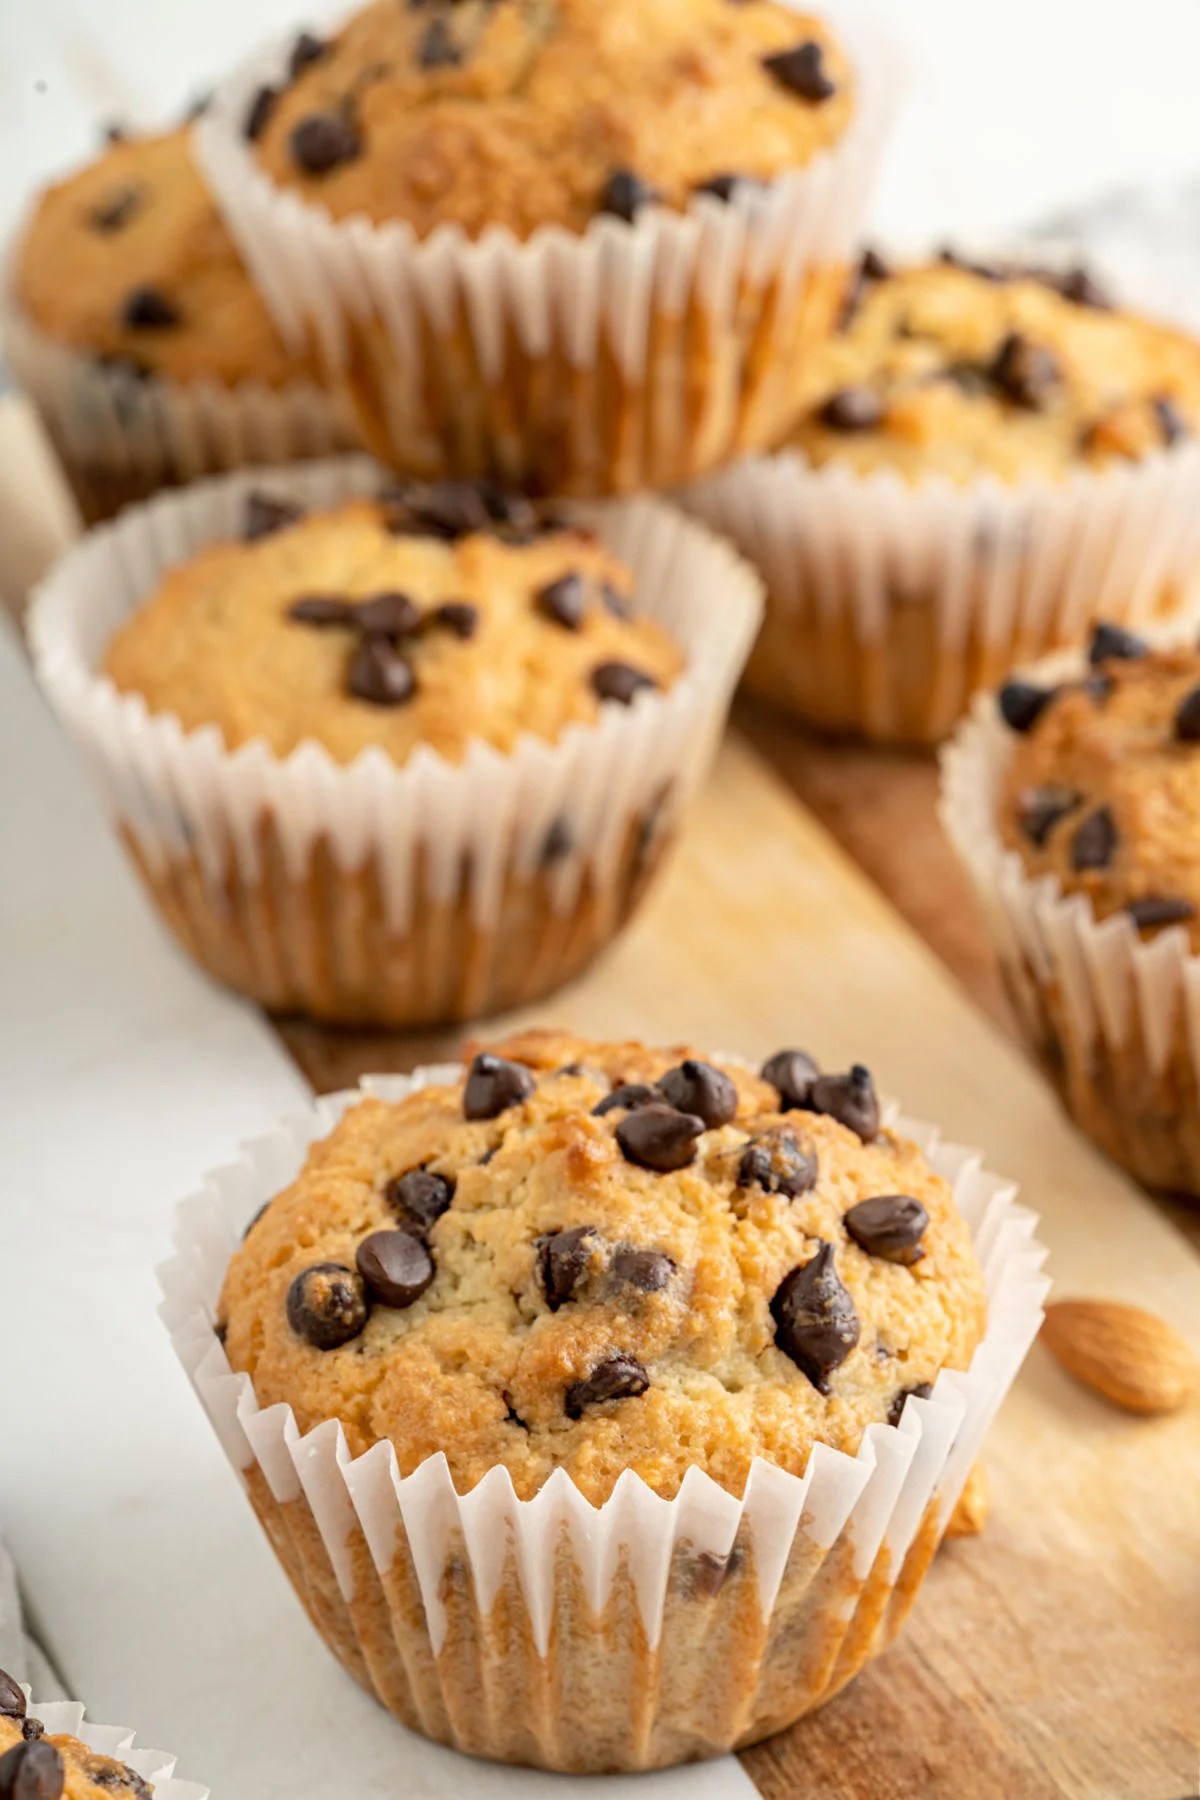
[777, 1162]
[379, 674]
[623, 193]
[306, 50]
[221, 1332]
[1025, 373]
[32, 1771]
[326, 1305]
[1113, 641]
[660, 1138]
[419, 1198]
[1040, 809]
[709, 1573]
[562, 1262]
[630, 1094]
[558, 842]
[1083, 288]
[259, 111]
[564, 601]
[389, 615]
[446, 509]
[325, 141]
[802, 71]
[852, 409]
[994, 272]
[438, 49]
[511, 1415]
[921, 1391]
[265, 515]
[146, 309]
[724, 187]
[871, 269]
[504, 506]
[321, 610]
[458, 616]
[115, 212]
[889, 1226]
[850, 1099]
[1187, 718]
[1095, 841]
[815, 1321]
[114, 132]
[968, 377]
[262, 1212]
[1022, 704]
[620, 682]
[1154, 911]
[396, 1266]
[116, 1777]
[32, 1728]
[494, 1084]
[791, 1073]
[12, 1700]
[1171, 422]
[617, 1378]
[648, 1270]
[696, 1087]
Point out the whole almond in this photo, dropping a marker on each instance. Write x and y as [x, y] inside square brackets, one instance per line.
[970, 1513]
[1132, 1357]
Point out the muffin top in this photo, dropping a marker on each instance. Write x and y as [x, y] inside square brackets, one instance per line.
[1103, 787]
[597, 1257]
[438, 616]
[128, 260]
[961, 370]
[536, 112]
[46, 1766]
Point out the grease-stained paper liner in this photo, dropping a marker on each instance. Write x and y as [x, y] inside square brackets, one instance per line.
[378, 893]
[66, 1718]
[120, 436]
[889, 604]
[1114, 1019]
[632, 1635]
[584, 363]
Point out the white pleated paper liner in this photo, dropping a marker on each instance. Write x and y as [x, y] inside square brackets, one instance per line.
[623, 356]
[121, 436]
[849, 1523]
[67, 1718]
[1115, 1018]
[890, 603]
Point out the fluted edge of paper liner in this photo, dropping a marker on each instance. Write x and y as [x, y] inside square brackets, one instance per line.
[68, 1718]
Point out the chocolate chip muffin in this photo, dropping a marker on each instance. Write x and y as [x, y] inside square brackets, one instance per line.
[126, 271]
[598, 1257]
[37, 1765]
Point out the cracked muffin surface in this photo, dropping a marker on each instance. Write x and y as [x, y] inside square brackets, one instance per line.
[600, 1257]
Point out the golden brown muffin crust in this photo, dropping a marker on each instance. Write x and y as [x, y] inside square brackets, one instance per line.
[1103, 787]
[961, 371]
[518, 112]
[547, 613]
[86, 1775]
[584, 1311]
[135, 223]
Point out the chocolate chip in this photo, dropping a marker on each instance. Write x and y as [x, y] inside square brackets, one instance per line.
[32, 1728]
[802, 71]
[512, 1416]
[389, 615]
[696, 1087]
[1025, 372]
[922, 1390]
[871, 269]
[146, 309]
[618, 604]
[558, 842]
[12, 1700]
[458, 616]
[1154, 911]
[325, 141]
[321, 610]
[630, 1094]
[221, 1332]
[968, 377]
[494, 1085]
[114, 132]
[396, 1266]
[1113, 641]
[258, 113]
[709, 1573]
[437, 49]
[889, 1226]
[658, 1137]
[326, 1305]
[852, 409]
[777, 1162]
[850, 1099]
[380, 675]
[1187, 718]
[815, 1321]
[620, 682]
[1040, 809]
[1022, 704]
[262, 1212]
[724, 187]
[623, 193]
[445, 509]
[420, 1197]
[1083, 288]
[650, 1271]
[993, 272]
[306, 50]
[1171, 422]
[504, 506]
[265, 515]
[32, 1771]
[564, 601]
[115, 212]
[1095, 841]
[791, 1073]
[562, 1262]
[617, 1378]
[116, 1777]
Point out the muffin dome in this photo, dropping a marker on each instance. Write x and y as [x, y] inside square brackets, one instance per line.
[533, 112]
[599, 1257]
